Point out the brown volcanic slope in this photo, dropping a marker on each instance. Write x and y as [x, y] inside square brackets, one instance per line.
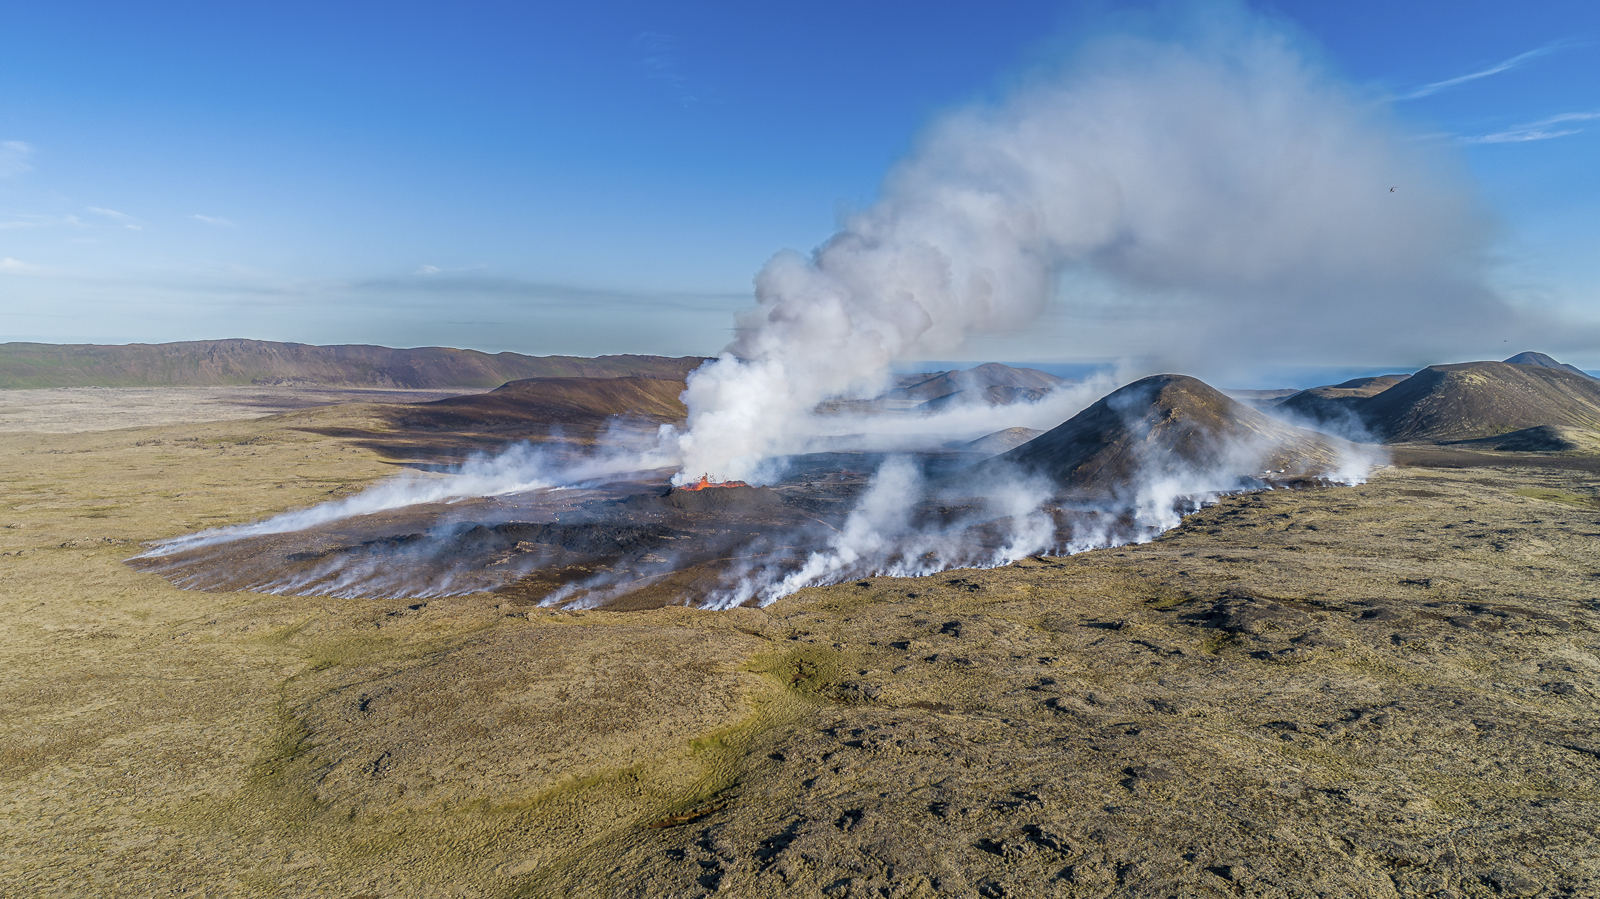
[1481, 399]
[1165, 424]
[239, 362]
[560, 401]
[1541, 439]
[1335, 403]
[998, 442]
[449, 430]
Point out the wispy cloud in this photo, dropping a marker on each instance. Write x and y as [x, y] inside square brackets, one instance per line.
[29, 220]
[1544, 129]
[1497, 68]
[427, 270]
[16, 267]
[14, 158]
[450, 284]
[121, 218]
[214, 221]
[661, 57]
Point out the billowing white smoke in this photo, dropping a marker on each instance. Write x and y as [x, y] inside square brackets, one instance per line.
[1232, 188]
[520, 468]
[884, 536]
[1223, 174]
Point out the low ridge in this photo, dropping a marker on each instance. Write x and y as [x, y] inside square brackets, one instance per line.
[1337, 403]
[223, 363]
[555, 401]
[991, 382]
[1541, 439]
[998, 442]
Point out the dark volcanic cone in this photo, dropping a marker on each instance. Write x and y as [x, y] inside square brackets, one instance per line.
[1481, 399]
[1540, 360]
[1171, 425]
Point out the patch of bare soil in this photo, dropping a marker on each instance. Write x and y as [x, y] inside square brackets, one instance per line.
[75, 410]
[1385, 690]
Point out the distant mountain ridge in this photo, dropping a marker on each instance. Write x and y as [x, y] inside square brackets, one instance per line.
[224, 363]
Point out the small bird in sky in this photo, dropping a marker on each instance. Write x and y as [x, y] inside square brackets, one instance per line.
[1391, 190]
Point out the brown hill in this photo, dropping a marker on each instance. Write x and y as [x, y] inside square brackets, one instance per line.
[216, 363]
[1337, 402]
[998, 442]
[553, 401]
[1481, 399]
[998, 395]
[979, 380]
[1543, 361]
[1171, 425]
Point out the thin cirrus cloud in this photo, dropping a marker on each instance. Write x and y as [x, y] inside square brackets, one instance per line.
[14, 158]
[214, 221]
[121, 218]
[1544, 129]
[29, 220]
[661, 57]
[1496, 69]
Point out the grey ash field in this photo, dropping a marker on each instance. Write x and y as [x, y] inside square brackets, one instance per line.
[1382, 690]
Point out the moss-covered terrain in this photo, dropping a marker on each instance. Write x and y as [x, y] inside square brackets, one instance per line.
[1385, 690]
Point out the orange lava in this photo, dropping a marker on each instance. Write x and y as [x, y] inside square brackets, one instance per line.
[705, 481]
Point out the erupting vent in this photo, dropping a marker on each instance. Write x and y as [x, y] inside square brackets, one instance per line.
[705, 482]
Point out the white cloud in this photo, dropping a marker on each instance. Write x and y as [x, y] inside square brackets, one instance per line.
[1495, 69]
[1544, 129]
[427, 270]
[29, 220]
[16, 267]
[127, 221]
[14, 158]
[214, 221]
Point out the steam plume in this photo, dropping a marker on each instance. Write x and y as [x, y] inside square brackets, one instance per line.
[1223, 181]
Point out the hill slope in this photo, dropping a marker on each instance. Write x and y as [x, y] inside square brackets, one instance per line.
[1543, 361]
[554, 401]
[217, 363]
[992, 382]
[1481, 399]
[1337, 402]
[1171, 426]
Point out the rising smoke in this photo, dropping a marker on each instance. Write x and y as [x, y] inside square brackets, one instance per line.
[1222, 185]
[1225, 186]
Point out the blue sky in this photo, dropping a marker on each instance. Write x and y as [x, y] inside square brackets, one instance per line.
[570, 178]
